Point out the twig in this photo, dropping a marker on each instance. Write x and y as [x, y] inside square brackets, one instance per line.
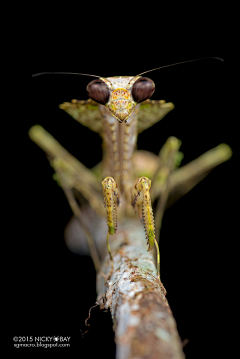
[100, 302]
[143, 323]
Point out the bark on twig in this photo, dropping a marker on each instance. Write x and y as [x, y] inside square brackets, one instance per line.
[142, 320]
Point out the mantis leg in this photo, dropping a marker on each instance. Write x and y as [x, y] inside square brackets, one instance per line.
[168, 157]
[171, 183]
[77, 212]
[110, 194]
[76, 175]
[142, 197]
[168, 160]
[183, 179]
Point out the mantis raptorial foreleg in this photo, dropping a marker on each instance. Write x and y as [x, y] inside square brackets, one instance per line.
[142, 198]
[110, 193]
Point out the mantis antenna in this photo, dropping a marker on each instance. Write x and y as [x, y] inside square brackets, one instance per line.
[178, 63]
[66, 73]
[157, 68]
[62, 73]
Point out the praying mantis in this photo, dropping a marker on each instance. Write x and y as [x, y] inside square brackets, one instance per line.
[126, 181]
[122, 95]
[119, 109]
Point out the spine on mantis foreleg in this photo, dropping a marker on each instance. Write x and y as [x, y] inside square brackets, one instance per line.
[109, 191]
[148, 220]
[143, 198]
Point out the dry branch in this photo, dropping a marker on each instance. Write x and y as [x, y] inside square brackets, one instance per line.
[142, 320]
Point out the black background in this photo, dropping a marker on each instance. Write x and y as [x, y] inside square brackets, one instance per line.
[54, 288]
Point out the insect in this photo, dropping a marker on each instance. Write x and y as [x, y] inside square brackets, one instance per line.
[121, 95]
[119, 109]
[118, 98]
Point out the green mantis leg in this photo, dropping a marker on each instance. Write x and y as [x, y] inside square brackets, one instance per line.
[57, 165]
[76, 175]
[110, 194]
[142, 197]
[169, 159]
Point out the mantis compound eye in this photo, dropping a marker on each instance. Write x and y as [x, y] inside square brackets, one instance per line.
[142, 89]
[98, 91]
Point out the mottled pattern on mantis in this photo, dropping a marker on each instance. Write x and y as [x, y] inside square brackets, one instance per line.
[143, 198]
[109, 191]
[119, 139]
[121, 95]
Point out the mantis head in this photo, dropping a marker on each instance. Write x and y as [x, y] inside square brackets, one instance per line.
[121, 94]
